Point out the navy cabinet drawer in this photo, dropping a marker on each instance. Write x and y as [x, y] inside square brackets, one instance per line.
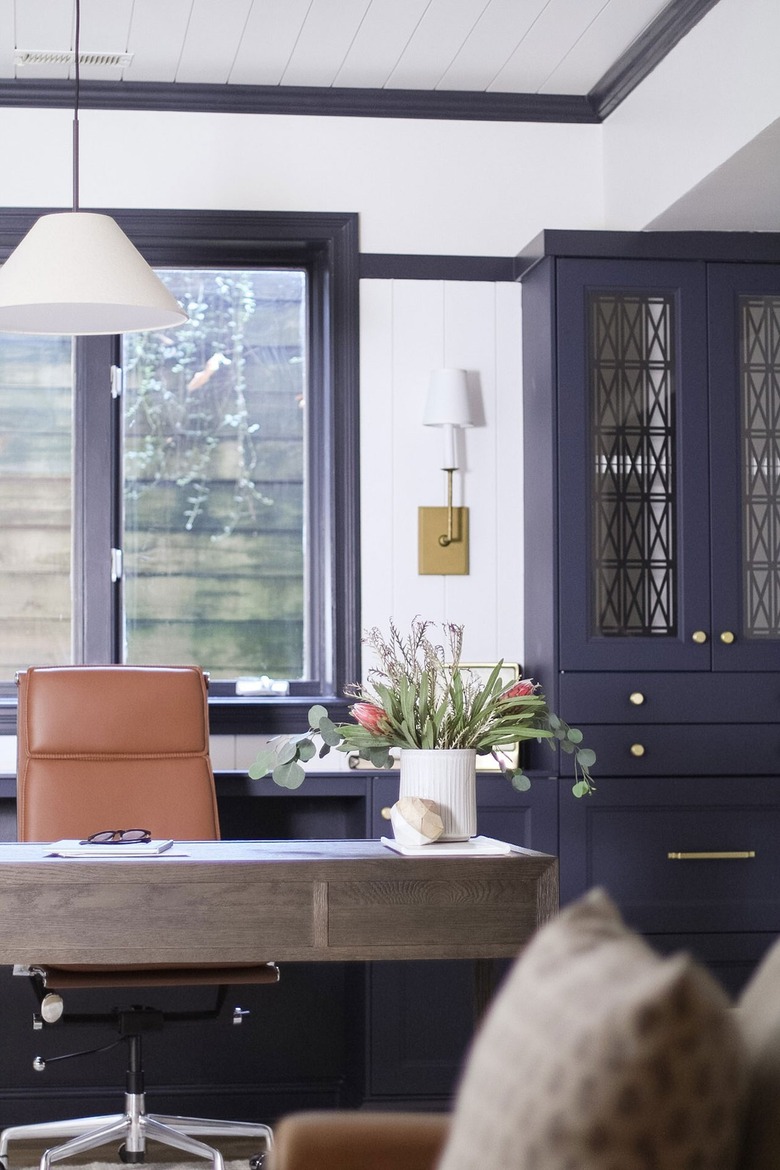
[622, 837]
[677, 697]
[675, 749]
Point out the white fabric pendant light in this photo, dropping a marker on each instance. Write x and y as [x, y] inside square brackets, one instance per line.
[76, 272]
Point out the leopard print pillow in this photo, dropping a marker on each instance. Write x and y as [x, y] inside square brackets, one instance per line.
[598, 1054]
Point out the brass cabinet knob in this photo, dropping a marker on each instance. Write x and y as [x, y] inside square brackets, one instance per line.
[699, 636]
[637, 698]
[637, 749]
[386, 813]
[727, 637]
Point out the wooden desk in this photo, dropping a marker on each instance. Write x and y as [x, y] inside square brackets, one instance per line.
[288, 901]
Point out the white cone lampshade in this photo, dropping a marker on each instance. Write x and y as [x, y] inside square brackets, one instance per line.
[76, 272]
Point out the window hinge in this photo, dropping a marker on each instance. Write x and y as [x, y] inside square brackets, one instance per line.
[116, 565]
[117, 381]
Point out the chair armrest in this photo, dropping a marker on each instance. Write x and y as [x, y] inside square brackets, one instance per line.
[343, 1140]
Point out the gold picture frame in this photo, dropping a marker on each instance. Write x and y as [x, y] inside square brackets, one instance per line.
[510, 673]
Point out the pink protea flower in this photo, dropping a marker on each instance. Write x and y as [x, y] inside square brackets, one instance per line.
[524, 687]
[370, 716]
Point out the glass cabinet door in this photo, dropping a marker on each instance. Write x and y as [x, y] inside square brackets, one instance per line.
[744, 363]
[633, 466]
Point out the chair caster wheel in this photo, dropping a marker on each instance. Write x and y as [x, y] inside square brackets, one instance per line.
[130, 1156]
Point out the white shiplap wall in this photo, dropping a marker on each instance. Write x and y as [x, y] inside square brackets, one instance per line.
[409, 328]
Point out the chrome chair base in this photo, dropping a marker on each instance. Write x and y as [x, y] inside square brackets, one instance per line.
[133, 1128]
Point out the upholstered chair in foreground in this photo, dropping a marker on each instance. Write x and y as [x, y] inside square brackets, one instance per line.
[596, 1054]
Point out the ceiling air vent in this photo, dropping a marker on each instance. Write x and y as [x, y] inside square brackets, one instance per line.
[67, 57]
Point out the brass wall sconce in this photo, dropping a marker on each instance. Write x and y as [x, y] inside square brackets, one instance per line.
[444, 532]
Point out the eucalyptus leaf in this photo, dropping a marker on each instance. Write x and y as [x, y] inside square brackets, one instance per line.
[520, 782]
[264, 763]
[586, 757]
[289, 775]
[287, 752]
[316, 713]
[329, 733]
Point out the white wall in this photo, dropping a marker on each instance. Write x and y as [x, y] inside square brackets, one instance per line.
[409, 328]
[714, 93]
[461, 188]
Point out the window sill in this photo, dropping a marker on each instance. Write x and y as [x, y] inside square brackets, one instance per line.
[229, 715]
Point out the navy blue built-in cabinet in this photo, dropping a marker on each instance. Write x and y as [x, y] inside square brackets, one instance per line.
[652, 530]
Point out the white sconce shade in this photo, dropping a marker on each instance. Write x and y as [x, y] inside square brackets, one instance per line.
[448, 405]
[76, 272]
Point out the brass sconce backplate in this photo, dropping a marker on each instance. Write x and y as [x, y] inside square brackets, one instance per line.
[444, 559]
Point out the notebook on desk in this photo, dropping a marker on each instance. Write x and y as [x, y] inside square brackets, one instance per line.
[67, 848]
[474, 847]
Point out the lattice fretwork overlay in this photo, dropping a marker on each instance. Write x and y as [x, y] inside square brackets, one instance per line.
[760, 385]
[632, 459]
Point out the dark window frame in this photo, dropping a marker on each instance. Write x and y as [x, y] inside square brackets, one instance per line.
[327, 245]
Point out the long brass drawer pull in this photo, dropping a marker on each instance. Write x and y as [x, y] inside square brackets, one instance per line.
[725, 855]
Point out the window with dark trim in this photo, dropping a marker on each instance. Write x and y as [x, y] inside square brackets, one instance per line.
[322, 247]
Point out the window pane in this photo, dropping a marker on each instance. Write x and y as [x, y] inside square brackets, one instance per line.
[214, 435]
[35, 502]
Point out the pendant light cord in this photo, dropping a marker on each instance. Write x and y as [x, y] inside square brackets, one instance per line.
[76, 110]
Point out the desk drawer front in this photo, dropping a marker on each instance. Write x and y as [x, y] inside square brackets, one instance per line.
[421, 914]
[94, 924]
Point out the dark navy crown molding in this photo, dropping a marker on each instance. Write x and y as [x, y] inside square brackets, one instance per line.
[669, 27]
[706, 246]
[305, 100]
[391, 266]
[659, 38]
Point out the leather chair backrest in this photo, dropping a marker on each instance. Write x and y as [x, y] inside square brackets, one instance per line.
[114, 747]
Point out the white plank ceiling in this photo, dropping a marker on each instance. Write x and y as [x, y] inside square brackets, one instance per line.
[483, 46]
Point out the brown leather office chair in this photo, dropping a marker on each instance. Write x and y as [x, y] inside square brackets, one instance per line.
[113, 747]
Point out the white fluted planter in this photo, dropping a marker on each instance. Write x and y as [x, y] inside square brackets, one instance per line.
[449, 777]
